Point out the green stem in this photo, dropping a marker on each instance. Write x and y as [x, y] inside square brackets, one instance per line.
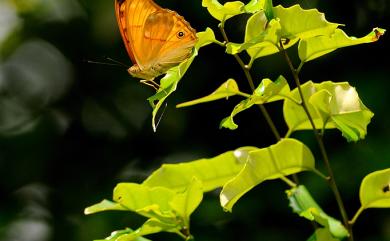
[300, 67]
[355, 217]
[289, 132]
[243, 94]
[331, 179]
[320, 174]
[246, 69]
[248, 76]
[288, 181]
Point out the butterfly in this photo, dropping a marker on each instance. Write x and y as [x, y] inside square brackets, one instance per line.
[156, 39]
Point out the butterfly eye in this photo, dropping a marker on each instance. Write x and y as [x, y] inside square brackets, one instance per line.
[180, 34]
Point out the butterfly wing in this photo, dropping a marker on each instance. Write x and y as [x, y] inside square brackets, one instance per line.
[156, 39]
[175, 44]
[131, 16]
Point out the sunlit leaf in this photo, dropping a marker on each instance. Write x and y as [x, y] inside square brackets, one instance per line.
[266, 92]
[261, 37]
[169, 82]
[213, 172]
[185, 203]
[151, 226]
[331, 105]
[167, 210]
[375, 190]
[104, 205]
[146, 201]
[305, 206]
[227, 89]
[233, 8]
[117, 234]
[286, 157]
[256, 5]
[315, 47]
[223, 12]
[322, 234]
[300, 23]
[264, 34]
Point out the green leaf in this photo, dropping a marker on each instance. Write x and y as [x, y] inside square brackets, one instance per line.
[213, 172]
[104, 205]
[315, 47]
[303, 204]
[263, 33]
[331, 105]
[286, 157]
[223, 12]
[185, 203]
[300, 23]
[261, 37]
[117, 234]
[227, 89]
[266, 92]
[256, 5]
[167, 210]
[151, 226]
[375, 190]
[322, 234]
[169, 82]
[233, 8]
[146, 201]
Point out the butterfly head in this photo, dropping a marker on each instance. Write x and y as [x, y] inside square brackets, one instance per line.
[146, 74]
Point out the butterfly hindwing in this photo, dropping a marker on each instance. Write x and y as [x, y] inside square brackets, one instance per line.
[157, 30]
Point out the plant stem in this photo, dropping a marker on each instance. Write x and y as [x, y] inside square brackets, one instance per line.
[288, 181]
[246, 69]
[318, 136]
[361, 209]
[248, 76]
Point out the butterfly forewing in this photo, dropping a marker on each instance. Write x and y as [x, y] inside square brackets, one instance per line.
[131, 17]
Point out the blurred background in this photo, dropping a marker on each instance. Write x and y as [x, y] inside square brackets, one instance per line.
[70, 131]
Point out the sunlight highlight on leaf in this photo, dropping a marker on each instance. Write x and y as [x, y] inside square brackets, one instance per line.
[331, 105]
[286, 157]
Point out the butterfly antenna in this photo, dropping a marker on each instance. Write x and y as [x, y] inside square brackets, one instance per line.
[102, 63]
[162, 114]
[117, 62]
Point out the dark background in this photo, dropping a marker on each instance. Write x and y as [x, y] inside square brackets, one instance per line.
[69, 130]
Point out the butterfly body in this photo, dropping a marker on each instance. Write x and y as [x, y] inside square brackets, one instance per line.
[156, 39]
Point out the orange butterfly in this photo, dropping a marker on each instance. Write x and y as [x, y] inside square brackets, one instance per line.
[156, 39]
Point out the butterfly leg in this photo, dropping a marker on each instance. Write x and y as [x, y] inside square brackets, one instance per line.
[150, 83]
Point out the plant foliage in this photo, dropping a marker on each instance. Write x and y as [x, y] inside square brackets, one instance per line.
[169, 196]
